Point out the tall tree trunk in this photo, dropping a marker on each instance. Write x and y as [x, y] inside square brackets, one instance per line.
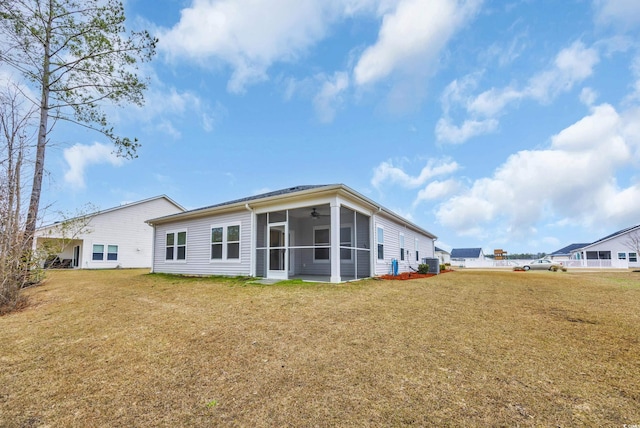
[36, 189]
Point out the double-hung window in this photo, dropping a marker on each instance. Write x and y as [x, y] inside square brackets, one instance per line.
[176, 246]
[112, 252]
[633, 257]
[225, 242]
[217, 245]
[233, 242]
[321, 238]
[417, 250]
[401, 246]
[380, 240]
[622, 256]
[98, 253]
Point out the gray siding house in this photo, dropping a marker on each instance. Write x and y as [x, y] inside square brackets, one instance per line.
[328, 233]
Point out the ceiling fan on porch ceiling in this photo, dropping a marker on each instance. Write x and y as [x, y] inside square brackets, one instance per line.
[315, 214]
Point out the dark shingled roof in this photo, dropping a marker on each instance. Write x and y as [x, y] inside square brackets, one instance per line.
[441, 250]
[264, 195]
[620, 232]
[568, 249]
[465, 253]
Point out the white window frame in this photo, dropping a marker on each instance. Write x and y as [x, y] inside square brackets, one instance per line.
[175, 245]
[622, 256]
[105, 252]
[401, 242]
[417, 249]
[93, 253]
[633, 257]
[109, 252]
[324, 245]
[379, 228]
[225, 243]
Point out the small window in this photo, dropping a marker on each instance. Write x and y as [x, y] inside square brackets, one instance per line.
[321, 238]
[182, 246]
[98, 252]
[622, 256]
[633, 257]
[233, 242]
[401, 246]
[380, 231]
[417, 252]
[216, 243]
[112, 252]
[170, 244]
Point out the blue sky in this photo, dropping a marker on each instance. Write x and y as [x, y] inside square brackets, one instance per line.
[493, 124]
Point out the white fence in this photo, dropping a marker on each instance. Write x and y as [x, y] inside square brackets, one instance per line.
[510, 264]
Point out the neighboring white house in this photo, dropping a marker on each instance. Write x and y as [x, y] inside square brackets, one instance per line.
[620, 249]
[325, 233]
[443, 255]
[467, 256]
[116, 237]
[564, 254]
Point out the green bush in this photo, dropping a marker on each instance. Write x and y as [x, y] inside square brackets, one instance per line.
[443, 267]
[423, 268]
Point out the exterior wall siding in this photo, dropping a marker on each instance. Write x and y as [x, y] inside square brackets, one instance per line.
[198, 247]
[124, 227]
[392, 230]
[618, 244]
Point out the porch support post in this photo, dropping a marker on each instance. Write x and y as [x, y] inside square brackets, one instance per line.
[335, 242]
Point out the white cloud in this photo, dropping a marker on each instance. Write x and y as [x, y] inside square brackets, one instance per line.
[330, 96]
[624, 13]
[588, 96]
[249, 36]
[387, 173]
[571, 66]
[447, 131]
[411, 36]
[437, 190]
[165, 107]
[575, 178]
[79, 157]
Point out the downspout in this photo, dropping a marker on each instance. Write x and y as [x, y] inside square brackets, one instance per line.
[153, 249]
[374, 243]
[252, 243]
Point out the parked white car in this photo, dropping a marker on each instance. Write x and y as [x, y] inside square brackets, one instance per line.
[542, 264]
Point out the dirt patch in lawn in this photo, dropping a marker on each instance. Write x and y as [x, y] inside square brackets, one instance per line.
[124, 348]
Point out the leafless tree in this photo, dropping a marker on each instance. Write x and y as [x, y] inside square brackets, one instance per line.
[633, 241]
[17, 120]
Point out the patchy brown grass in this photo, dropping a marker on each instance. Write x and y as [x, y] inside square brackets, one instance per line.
[124, 348]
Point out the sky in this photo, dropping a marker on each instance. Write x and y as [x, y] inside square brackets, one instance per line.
[492, 124]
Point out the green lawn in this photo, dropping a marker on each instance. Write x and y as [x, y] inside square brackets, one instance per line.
[467, 348]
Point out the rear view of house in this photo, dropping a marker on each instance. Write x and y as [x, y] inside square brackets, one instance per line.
[116, 237]
[324, 233]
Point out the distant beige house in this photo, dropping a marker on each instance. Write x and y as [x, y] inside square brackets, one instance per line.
[115, 237]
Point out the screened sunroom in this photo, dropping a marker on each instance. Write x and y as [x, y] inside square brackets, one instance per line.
[328, 243]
